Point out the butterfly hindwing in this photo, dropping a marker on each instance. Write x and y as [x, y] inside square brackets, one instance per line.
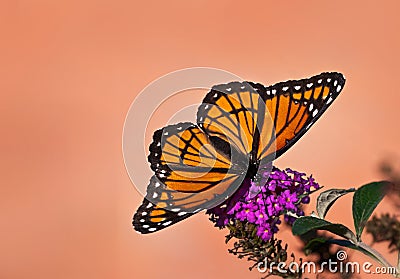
[151, 217]
[231, 112]
[155, 218]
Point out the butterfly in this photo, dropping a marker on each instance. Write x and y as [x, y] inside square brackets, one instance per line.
[241, 128]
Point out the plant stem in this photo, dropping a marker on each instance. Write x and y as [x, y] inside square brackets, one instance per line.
[398, 265]
[378, 257]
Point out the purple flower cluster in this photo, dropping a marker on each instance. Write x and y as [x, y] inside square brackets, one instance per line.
[262, 205]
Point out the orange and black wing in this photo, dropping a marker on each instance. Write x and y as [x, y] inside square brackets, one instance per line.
[294, 107]
[151, 217]
[190, 175]
[233, 114]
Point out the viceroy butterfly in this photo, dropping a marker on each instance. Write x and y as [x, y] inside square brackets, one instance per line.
[241, 126]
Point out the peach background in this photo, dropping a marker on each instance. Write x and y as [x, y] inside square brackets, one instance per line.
[69, 71]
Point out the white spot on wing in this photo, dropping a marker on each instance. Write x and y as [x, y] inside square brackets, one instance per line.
[329, 100]
[182, 213]
[152, 229]
[167, 223]
[309, 85]
[319, 81]
[285, 88]
[335, 83]
[149, 205]
[328, 80]
[144, 213]
[314, 112]
[215, 95]
[297, 87]
[175, 209]
[339, 88]
[229, 89]
[155, 195]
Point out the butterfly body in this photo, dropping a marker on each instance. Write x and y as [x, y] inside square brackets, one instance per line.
[252, 170]
[241, 128]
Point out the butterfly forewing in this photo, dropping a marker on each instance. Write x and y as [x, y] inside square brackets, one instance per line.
[295, 106]
[184, 159]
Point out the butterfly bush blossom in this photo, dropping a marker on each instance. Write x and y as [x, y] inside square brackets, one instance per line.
[281, 193]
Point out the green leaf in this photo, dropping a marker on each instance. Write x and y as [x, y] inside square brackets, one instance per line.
[305, 224]
[365, 200]
[327, 198]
